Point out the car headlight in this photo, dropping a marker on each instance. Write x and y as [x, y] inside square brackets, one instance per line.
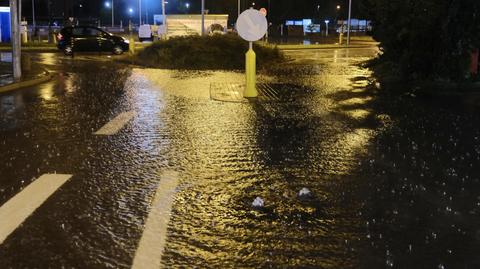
[126, 40]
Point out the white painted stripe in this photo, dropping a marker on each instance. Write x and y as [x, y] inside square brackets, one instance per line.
[150, 249]
[16, 210]
[115, 125]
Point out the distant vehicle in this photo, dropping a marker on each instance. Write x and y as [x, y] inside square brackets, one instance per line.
[145, 33]
[87, 38]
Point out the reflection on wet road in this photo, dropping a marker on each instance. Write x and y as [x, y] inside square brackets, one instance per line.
[393, 180]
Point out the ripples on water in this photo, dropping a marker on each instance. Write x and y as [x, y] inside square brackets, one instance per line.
[394, 183]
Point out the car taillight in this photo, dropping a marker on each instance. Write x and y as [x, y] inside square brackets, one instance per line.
[59, 36]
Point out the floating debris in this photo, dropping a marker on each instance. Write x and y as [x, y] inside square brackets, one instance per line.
[258, 203]
[305, 193]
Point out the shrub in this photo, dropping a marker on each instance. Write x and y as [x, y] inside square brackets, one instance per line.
[208, 52]
[427, 39]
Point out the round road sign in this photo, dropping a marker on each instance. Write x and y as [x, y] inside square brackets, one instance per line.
[252, 25]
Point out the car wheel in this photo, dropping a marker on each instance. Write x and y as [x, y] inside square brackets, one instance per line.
[117, 50]
[68, 50]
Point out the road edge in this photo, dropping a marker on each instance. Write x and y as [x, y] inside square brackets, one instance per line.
[44, 77]
[316, 47]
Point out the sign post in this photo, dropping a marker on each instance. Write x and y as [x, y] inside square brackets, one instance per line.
[251, 26]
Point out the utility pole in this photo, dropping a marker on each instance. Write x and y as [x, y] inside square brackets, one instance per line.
[16, 49]
[203, 17]
[238, 8]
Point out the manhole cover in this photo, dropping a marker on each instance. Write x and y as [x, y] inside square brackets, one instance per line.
[233, 92]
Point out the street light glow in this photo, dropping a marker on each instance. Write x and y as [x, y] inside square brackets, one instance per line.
[130, 10]
[338, 6]
[187, 5]
[107, 4]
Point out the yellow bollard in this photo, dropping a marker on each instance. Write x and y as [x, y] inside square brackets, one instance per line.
[131, 46]
[340, 39]
[250, 72]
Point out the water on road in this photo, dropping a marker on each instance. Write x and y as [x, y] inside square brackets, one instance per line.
[393, 180]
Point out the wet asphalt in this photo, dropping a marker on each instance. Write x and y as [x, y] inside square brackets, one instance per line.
[394, 179]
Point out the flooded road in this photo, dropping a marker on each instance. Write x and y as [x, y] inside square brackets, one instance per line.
[393, 180]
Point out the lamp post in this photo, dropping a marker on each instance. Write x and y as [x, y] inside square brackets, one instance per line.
[336, 14]
[16, 45]
[326, 25]
[146, 12]
[349, 21]
[139, 12]
[164, 18]
[113, 16]
[33, 15]
[187, 6]
[110, 5]
[203, 17]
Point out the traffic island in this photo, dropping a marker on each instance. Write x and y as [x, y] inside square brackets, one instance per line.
[31, 47]
[30, 80]
[217, 52]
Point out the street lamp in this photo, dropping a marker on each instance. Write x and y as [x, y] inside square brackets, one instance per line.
[326, 23]
[140, 12]
[110, 5]
[187, 5]
[349, 21]
[33, 15]
[203, 17]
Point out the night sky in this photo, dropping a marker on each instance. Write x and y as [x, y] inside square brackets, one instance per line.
[280, 10]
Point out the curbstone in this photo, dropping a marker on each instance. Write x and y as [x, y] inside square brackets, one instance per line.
[46, 76]
[309, 47]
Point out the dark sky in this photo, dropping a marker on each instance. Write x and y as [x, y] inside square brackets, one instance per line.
[279, 9]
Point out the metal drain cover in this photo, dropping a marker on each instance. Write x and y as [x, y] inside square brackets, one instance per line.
[233, 92]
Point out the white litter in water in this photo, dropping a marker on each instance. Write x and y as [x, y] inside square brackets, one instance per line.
[258, 202]
[304, 192]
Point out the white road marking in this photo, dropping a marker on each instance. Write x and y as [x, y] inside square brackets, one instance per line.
[14, 212]
[150, 249]
[115, 125]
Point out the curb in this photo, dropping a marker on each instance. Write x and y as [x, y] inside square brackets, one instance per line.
[46, 76]
[311, 47]
[31, 49]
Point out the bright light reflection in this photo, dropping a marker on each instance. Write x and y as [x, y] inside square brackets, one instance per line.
[47, 91]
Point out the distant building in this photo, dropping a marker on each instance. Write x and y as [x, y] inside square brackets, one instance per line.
[191, 24]
[355, 26]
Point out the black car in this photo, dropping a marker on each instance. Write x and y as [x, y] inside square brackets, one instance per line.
[87, 38]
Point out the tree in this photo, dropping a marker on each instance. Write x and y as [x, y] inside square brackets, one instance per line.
[427, 38]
